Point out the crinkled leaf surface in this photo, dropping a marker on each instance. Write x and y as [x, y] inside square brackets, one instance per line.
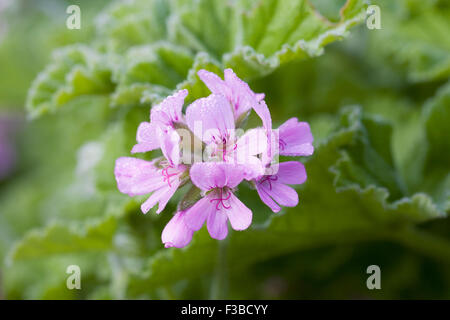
[157, 46]
[413, 38]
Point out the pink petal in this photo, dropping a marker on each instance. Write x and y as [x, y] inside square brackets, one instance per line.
[267, 199]
[240, 216]
[295, 138]
[243, 98]
[210, 118]
[291, 172]
[170, 145]
[214, 83]
[253, 142]
[176, 233]
[217, 225]
[146, 138]
[251, 166]
[197, 214]
[161, 196]
[209, 175]
[237, 92]
[136, 176]
[272, 190]
[260, 96]
[282, 194]
[166, 197]
[268, 156]
[170, 109]
[263, 112]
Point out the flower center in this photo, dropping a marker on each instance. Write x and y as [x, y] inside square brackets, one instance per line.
[167, 175]
[222, 196]
[223, 147]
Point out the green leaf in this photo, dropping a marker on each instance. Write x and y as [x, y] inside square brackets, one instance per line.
[436, 168]
[64, 239]
[21, 281]
[426, 161]
[127, 23]
[277, 32]
[437, 114]
[413, 38]
[147, 49]
[156, 68]
[368, 161]
[75, 71]
[161, 64]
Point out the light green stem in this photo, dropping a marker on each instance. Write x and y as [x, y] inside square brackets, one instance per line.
[219, 281]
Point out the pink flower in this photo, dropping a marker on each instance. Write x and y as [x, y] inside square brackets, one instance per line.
[139, 177]
[160, 132]
[177, 233]
[273, 189]
[214, 116]
[219, 204]
[295, 138]
[237, 92]
[229, 158]
[240, 96]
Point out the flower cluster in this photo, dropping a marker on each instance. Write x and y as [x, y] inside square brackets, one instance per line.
[207, 147]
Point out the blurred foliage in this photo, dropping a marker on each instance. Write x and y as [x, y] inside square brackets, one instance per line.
[378, 188]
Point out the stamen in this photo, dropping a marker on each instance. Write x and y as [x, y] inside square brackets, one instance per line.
[221, 199]
[167, 175]
[225, 148]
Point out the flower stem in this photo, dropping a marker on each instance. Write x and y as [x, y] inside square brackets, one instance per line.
[219, 282]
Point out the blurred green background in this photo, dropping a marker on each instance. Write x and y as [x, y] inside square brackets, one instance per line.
[378, 189]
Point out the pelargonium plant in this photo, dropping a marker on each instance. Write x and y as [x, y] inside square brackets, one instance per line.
[207, 147]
